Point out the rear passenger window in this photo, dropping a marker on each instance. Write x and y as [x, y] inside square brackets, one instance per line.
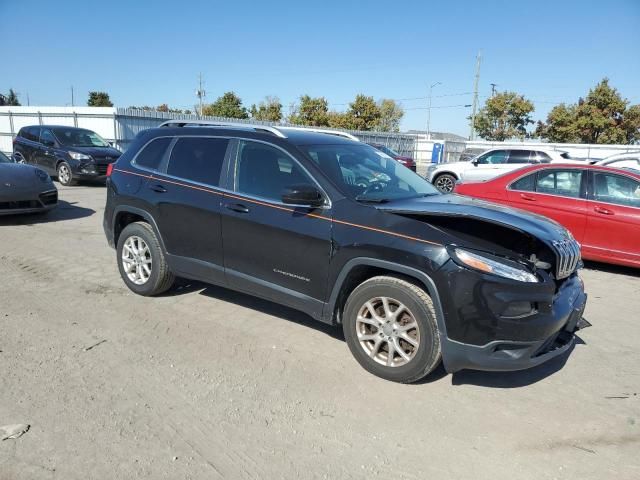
[543, 157]
[525, 184]
[519, 156]
[151, 155]
[31, 133]
[198, 159]
[565, 183]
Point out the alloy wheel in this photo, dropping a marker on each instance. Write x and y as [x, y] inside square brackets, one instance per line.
[445, 183]
[388, 331]
[136, 260]
[64, 175]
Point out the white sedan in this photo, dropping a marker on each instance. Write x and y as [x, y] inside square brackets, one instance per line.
[490, 164]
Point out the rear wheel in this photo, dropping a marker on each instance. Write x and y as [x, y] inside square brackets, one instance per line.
[390, 327]
[141, 262]
[445, 182]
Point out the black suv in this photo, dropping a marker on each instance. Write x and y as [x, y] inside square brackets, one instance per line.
[69, 153]
[412, 275]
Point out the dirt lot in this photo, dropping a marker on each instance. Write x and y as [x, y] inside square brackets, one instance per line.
[207, 383]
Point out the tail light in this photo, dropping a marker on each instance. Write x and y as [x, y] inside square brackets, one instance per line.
[109, 169]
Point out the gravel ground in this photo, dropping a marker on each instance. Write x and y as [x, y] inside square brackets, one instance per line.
[208, 383]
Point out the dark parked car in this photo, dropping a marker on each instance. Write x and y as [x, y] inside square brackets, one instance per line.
[408, 162]
[25, 189]
[69, 153]
[412, 275]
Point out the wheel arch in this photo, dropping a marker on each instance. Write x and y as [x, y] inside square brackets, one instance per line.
[446, 172]
[125, 215]
[359, 269]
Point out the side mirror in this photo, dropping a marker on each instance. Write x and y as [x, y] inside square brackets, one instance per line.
[475, 162]
[303, 194]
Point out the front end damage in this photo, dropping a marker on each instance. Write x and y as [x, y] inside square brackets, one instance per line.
[496, 323]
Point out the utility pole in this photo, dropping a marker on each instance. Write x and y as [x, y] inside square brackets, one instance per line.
[200, 93]
[72, 95]
[472, 134]
[28, 103]
[429, 110]
[493, 88]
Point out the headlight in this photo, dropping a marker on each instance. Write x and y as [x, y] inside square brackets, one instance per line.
[493, 266]
[42, 175]
[79, 156]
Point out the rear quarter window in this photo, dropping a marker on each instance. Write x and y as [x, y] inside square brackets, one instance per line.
[152, 153]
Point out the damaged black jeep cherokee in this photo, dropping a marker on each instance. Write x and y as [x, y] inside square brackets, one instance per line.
[320, 222]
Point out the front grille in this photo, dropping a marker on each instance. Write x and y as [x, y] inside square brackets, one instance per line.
[567, 257]
[19, 205]
[49, 198]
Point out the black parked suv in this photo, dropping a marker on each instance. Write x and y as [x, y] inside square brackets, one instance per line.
[69, 153]
[412, 275]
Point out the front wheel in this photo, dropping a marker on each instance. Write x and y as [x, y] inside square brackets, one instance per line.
[141, 262]
[445, 182]
[65, 175]
[390, 327]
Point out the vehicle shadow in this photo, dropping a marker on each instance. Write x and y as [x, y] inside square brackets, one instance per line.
[264, 306]
[516, 379]
[611, 268]
[64, 211]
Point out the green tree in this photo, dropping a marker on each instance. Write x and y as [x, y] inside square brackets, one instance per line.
[505, 115]
[602, 117]
[313, 112]
[599, 117]
[270, 110]
[363, 114]
[99, 99]
[631, 124]
[11, 99]
[228, 105]
[390, 115]
[163, 107]
[561, 125]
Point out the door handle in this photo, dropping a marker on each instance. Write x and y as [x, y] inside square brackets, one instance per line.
[236, 207]
[47, 153]
[527, 197]
[158, 188]
[603, 211]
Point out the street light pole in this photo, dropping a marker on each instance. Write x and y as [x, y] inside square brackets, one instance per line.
[429, 110]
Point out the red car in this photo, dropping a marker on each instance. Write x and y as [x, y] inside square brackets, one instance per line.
[599, 205]
[406, 161]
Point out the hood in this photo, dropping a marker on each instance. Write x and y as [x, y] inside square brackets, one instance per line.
[405, 159]
[452, 205]
[452, 164]
[98, 152]
[18, 176]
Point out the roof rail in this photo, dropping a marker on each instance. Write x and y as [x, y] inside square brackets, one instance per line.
[215, 123]
[337, 133]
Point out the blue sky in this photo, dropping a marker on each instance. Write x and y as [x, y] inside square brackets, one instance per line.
[150, 52]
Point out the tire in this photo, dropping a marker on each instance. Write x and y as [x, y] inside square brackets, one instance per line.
[65, 174]
[445, 182]
[159, 278]
[19, 158]
[424, 355]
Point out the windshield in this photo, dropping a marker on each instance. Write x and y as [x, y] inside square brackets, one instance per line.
[77, 137]
[366, 174]
[4, 159]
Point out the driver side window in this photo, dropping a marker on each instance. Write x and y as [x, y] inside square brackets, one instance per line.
[47, 138]
[493, 158]
[265, 171]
